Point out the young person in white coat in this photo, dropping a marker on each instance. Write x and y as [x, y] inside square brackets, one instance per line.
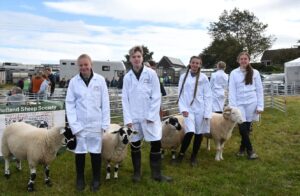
[195, 105]
[246, 93]
[218, 84]
[88, 114]
[141, 99]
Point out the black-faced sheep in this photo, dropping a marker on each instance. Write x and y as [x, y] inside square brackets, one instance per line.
[114, 146]
[221, 126]
[172, 134]
[37, 145]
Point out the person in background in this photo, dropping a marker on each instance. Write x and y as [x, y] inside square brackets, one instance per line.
[42, 94]
[194, 103]
[16, 98]
[20, 83]
[51, 78]
[62, 83]
[246, 93]
[120, 81]
[88, 114]
[36, 82]
[141, 100]
[218, 84]
[27, 84]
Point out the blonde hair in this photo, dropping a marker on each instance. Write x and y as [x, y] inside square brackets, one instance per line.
[84, 56]
[136, 49]
[197, 78]
[221, 65]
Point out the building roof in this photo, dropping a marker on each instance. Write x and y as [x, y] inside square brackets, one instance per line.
[172, 61]
[280, 55]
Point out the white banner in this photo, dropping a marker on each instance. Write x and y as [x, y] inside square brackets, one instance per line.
[35, 117]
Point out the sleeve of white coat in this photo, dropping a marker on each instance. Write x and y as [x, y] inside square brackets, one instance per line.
[212, 79]
[105, 107]
[232, 91]
[259, 93]
[181, 102]
[155, 99]
[125, 102]
[207, 99]
[71, 109]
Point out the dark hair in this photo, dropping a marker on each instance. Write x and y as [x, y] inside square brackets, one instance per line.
[136, 49]
[249, 70]
[197, 78]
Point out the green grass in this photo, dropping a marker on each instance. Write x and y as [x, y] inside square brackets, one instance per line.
[276, 172]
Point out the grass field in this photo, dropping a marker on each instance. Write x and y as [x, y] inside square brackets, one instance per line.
[277, 172]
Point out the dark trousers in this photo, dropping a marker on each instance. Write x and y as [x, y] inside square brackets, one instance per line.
[245, 142]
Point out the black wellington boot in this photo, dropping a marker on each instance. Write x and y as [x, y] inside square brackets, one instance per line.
[80, 163]
[136, 162]
[155, 165]
[96, 167]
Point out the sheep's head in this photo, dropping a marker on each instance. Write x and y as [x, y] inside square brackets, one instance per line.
[233, 114]
[173, 121]
[125, 134]
[70, 139]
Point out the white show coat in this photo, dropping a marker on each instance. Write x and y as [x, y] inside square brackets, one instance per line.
[248, 98]
[88, 112]
[201, 107]
[218, 84]
[141, 101]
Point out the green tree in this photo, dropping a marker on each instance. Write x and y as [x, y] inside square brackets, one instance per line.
[222, 50]
[244, 27]
[147, 56]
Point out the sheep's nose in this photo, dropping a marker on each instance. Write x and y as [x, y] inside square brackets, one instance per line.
[125, 141]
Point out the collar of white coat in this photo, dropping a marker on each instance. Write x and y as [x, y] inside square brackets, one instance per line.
[242, 70]
[145, 69]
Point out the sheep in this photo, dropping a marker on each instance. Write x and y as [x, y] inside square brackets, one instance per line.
[114, 146]
[221, 126]
[37, 145]
[172, 134]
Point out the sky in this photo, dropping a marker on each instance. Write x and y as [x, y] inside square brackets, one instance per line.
[36, 31]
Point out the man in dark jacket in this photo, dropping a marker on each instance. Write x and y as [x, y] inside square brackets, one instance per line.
[51, 78]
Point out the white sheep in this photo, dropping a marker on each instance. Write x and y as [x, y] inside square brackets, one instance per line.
[221, 126]
[114, 146]
[37, 145]
[172, 134]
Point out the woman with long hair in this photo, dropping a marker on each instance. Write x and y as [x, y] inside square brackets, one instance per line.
[246, 93]
[195, 105]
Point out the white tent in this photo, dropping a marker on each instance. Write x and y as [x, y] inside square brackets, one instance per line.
[292, 71]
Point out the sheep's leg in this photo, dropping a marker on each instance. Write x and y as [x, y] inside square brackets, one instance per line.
[208, 144]
[47, 178]
[116, 171]
[173, 152]
[19, 166]
[162, 153]
[107, 171]
[7, 171]
[222, 148]
[218, 148]
[30, 186]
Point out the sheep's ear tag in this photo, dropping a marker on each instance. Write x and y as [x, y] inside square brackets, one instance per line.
[62, 130]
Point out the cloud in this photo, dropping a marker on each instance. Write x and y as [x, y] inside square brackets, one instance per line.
[47, 40]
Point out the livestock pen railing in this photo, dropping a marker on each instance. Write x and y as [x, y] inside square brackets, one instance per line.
[275, 97]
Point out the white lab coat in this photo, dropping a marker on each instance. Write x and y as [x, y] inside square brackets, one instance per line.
[248, 98]
[88, 112]
[201, 107]
[141, 101]
[218, 84]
